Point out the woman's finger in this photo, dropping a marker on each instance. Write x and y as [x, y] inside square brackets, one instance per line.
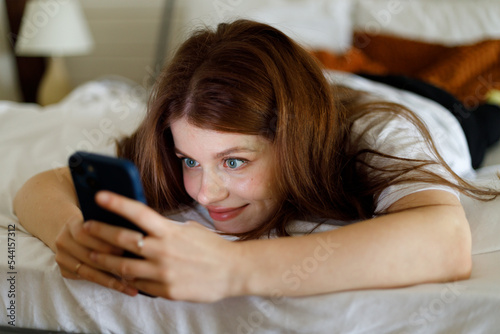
[69, 266]
[79, 234]
[91, 274]
[119, 237]
[69, 252]
[72, 268]
[67, 274]
[128, 268]
[137, 212]
[152, 288]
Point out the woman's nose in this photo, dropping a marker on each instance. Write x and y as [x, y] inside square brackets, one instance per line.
[212, 189]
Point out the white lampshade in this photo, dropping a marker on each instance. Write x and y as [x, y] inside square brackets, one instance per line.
[53, 28]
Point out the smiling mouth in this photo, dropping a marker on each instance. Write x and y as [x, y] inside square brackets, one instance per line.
[223, 214]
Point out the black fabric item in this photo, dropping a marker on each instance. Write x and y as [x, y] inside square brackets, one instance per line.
[481, 125]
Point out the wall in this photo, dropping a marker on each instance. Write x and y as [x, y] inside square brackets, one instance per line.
[125, 34]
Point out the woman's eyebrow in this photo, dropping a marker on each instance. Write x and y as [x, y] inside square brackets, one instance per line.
[236, 149]
[179, 152]
[229, 151]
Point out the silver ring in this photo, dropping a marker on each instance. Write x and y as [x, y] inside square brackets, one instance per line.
[140, 242]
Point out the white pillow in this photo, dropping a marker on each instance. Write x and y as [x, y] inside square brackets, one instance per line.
[484, 217]
[318, 24]
[447, 22]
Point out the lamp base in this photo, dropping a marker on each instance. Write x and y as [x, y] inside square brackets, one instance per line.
[55, 82]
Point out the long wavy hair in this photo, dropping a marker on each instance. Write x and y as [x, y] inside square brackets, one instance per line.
[250, 78]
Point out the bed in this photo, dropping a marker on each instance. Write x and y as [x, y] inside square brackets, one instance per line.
[34, 139]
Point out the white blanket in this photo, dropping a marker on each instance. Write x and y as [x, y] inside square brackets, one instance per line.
[33, 139]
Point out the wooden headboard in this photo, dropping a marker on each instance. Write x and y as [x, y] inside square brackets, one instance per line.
[29, 69]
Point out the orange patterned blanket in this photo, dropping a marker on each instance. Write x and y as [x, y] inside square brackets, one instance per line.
[469, 72]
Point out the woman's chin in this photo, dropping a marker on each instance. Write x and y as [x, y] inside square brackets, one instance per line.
[231, 227]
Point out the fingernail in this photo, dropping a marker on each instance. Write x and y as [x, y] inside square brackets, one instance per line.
[93, 256]
[130, 291]
[103, 197]
[86, 226]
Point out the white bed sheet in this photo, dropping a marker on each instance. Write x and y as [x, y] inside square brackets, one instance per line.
[34, 139]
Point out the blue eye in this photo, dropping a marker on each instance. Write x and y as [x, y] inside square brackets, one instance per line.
[234, 163]
[190, 163]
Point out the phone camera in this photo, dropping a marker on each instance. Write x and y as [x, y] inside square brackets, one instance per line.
[76, 165]
[92, 182]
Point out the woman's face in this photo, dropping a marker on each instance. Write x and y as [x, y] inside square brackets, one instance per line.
[229, 174]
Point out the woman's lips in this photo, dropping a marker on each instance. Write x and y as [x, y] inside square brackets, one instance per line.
[223, 214]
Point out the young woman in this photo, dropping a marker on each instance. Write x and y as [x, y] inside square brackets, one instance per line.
[244, 127]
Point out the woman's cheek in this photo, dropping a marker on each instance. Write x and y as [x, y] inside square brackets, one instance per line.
[253, 188]
[190, 185]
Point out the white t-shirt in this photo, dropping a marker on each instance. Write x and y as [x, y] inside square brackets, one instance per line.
[397, 136]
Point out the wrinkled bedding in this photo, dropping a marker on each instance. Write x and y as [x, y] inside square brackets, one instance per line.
[33, 139]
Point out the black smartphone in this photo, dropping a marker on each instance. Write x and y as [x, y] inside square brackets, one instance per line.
[94, 172]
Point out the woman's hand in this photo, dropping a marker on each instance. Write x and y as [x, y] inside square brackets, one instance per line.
[73, 248]
[182, 261]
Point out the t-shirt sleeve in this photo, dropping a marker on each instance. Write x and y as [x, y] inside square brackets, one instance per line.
[397, 136]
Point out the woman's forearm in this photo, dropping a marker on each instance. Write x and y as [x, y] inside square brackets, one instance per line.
[426, 244]
[45, 203]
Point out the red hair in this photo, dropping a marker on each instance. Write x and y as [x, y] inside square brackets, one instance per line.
[247, 77]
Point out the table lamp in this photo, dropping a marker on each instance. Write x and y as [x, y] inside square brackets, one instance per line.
[54, 29]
